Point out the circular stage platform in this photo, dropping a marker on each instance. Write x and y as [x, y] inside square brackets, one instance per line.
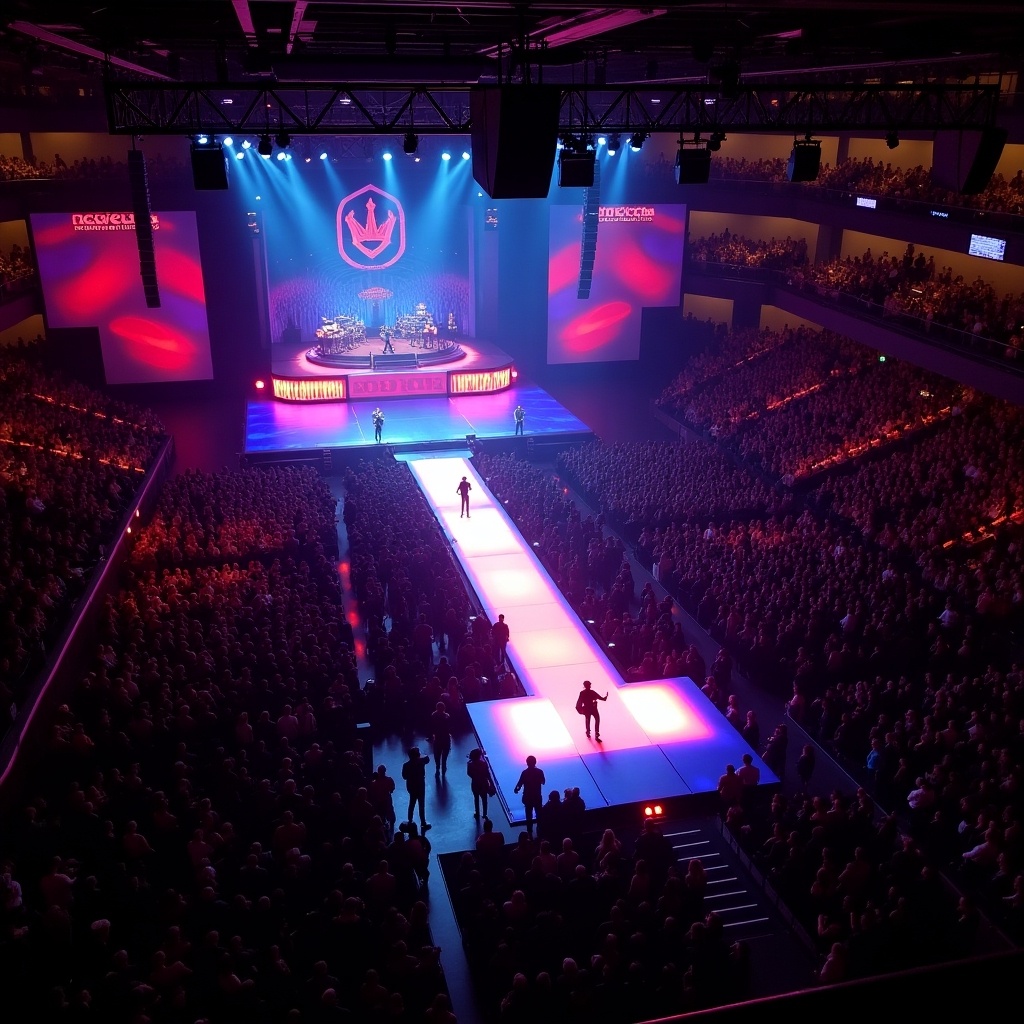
[369, 354]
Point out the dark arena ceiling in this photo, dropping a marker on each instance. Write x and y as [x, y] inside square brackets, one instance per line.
[49, 45]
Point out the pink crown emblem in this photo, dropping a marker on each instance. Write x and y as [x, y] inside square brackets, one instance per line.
[364, 241]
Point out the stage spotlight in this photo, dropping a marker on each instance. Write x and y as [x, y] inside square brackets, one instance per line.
[266, 147]
[637, 140]
[411, 142]
[228, 141]
[602, 140]
[386, 154]
[465, 154]
[246, 144]
[415, 159]
[614, 142]
[283, 139]
[323, 155]
[202, 140]
[715, 142]
[281, 154]
[260, 385]
[515, 373]
[240, 155]
[892, 140]
[446, 155]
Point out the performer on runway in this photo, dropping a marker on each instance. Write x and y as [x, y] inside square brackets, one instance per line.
[378, 423]
[586, 705]
[519, 413]
[499, 638]
[463, 489]
[531, 782]
[387, 334]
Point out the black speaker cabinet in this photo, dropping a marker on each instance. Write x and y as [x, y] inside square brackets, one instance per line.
[965, 161]
[514, 130]
[693, 166]
[804, 161]
[209, 168]
[575, 170]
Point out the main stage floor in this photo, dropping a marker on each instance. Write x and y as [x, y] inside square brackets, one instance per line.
[289, 427]
[661, 739]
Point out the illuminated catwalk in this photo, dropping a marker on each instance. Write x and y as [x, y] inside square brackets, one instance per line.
[660, 739]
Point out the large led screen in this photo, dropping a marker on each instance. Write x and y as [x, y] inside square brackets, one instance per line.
[89, 268]
[368, 247]
[638, 264]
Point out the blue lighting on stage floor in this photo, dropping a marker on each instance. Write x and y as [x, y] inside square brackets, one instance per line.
[272, 426]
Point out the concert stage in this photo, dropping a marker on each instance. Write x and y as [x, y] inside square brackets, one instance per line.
[661, 740]
[275, 430]
[412, 370]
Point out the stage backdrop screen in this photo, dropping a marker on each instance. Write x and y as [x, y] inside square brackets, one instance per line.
[89, 268]
[371, 245]
[638, 263]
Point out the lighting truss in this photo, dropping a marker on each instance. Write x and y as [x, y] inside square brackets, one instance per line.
[162, 108]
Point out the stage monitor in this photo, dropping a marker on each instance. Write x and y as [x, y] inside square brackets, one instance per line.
[89, 268]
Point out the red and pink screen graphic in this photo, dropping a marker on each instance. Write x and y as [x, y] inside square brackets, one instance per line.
[638, 263]
[89, 267]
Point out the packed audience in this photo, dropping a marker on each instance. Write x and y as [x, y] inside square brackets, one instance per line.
[872, 177]
[912, 286]
[423, 641]
[868, 891]
[805, 403]
[258, 512]
[71, 463]
[802, 362]
[17, 270]
[207, 836]
[16, 168]
[660, 482]
[568, 930]
[954, 485]
[738, 250]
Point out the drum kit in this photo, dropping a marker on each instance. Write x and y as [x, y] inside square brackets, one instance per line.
[339, 334]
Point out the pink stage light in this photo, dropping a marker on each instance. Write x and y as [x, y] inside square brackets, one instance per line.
[660, 712]
[535, 727]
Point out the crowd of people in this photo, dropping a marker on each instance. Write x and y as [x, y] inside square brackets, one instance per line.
[869, 890]
[872, 177]
[911, 285]
[798, 402]
[422, 640]
[907, 285]
[16, 168]
[205, 838]
[566, 930]
[71, 463]
[17, 270]
[738, 250]
[887, 600]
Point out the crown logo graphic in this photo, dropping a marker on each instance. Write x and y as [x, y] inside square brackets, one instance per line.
[368, 241]
[370, 238]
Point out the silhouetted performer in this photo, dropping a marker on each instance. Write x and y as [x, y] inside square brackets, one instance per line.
[499, 637]
[414, 771]
[586, 705]
[463, 490]
[479, 772]
[531, 782]
[387, 334]
[441, 731]
[378, 423]
[520, 417]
